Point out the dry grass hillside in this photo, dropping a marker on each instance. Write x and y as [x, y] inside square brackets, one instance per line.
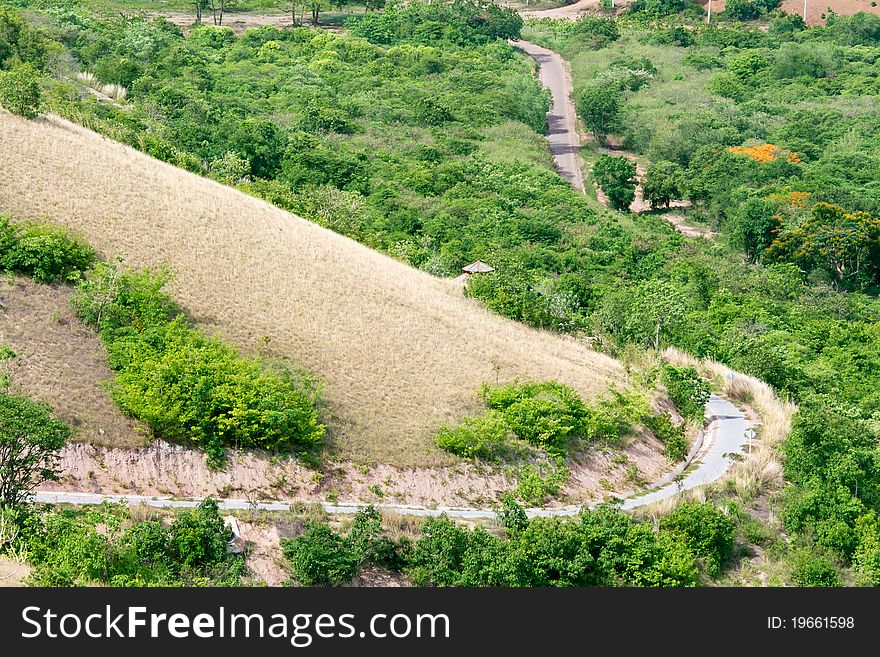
[400, 352]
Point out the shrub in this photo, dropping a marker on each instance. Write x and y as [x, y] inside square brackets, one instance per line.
[319, 557]
[599, 107]
[20, 91]
[483, 436]
[45, 253]
[705, 530]
[687, 391]
[675, 443]
[814, 570]
[199, 538]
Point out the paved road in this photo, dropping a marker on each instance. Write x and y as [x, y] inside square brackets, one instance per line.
[562, 133]
[725, 435]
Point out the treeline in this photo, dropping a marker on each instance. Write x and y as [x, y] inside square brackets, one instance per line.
[601, 547]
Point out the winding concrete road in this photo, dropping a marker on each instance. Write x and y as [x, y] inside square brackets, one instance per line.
[562, 134]
[723, 436]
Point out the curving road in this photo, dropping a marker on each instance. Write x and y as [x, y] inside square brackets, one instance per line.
[724, 435]
[562, 134]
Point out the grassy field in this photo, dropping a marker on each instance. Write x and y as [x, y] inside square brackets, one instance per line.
[400, 352]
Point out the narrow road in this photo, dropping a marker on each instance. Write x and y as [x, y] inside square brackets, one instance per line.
[725, 435]
[562, 134]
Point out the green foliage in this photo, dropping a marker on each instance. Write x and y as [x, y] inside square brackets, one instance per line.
[20, 91]
[319, 557]
[483, 436]
[45, 253]
[813, 570]
[462, 22]
[705, 530]
[77, 548]
[687, 391]
[185, 385]
[675, 444]
[657, 7]
[745, 10]
[30, 438]
[664, 183]
[616, 175]
[599, 108]
[538, 482]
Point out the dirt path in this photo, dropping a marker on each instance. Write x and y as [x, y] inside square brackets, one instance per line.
[572, 11]
[562, 134]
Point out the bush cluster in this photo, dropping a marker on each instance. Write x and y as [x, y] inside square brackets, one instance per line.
[45, 253]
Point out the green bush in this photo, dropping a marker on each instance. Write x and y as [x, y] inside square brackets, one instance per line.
[675, 444]
[687, 391]
[705, 530]
[664, 183]
[813, 570]
[484, 436]
[45, 253]
[320, 557]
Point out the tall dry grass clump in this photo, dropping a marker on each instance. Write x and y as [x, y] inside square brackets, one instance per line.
[400, 352]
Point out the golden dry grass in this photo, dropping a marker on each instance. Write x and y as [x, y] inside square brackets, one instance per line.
[399, 351]
[63, 363]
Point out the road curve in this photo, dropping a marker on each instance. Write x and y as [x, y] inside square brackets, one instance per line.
[724, 436]
[562, 134]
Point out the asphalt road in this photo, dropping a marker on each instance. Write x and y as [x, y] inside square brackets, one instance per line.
[562, 134]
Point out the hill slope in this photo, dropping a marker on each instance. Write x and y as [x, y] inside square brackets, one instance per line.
[399, 351]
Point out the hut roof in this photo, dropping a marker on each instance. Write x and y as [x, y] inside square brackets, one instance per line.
[478, 267]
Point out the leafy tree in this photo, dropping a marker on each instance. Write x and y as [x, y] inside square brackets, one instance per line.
[753, 226]
[845, 244]
[616, 175]
[30, 439]
[261, 143]
[599, 108]
[664, 182]
[20, 91]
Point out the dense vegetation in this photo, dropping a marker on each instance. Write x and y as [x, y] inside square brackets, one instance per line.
[603, 547]
[426, 144]
[773, 136]
[108, 547]
[188, 386]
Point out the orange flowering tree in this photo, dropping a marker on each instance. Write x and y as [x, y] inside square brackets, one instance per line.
[765, 153]
[845, 244]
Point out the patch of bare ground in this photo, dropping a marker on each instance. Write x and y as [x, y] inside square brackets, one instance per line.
[12, 572]
[371, 576]
[265, 560]
[63, 363]
[399, 352]
[163, 469]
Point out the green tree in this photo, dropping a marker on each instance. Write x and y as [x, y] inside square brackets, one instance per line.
[30, 439]
[687, 390]
[664, 182]
[20, 91]
[616, 175]
[599, 108]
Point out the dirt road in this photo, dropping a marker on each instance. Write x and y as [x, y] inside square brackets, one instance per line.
[562, 133]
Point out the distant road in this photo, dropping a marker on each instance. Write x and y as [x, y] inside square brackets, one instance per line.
[723, 437]
[562, 133]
